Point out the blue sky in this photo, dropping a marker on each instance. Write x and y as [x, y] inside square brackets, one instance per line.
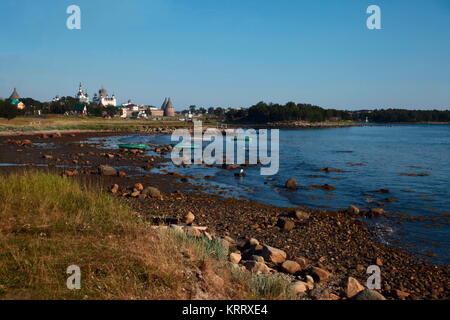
[231, 52]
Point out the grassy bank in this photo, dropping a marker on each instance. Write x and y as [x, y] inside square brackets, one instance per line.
[59, 122]
[48, 223]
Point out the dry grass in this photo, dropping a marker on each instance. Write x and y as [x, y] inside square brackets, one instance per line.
[48, 223]
[59, 122]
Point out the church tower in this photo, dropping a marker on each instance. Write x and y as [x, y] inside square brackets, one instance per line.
[82, 95]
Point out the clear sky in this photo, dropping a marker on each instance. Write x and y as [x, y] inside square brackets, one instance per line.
[231, 52]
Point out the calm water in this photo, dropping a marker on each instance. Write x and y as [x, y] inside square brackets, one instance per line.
[372, 158]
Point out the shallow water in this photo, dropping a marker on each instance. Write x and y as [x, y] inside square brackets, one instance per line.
[372, 158]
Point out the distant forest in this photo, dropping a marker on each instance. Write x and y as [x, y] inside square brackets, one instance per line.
[402, 115]
[63, 105]
[264, 113]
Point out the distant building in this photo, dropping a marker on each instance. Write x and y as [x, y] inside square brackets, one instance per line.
[81, 95]
[15, 100]
[155, 112]
[103, 98]
[80, 109]
[15, 95]
[168, 109]
[131, 110]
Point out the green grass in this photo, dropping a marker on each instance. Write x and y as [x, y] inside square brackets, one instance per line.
[265, 286]
[48, 223]
[205, 248]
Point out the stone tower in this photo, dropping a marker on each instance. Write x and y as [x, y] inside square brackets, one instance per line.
[169, 110]
[15, 95]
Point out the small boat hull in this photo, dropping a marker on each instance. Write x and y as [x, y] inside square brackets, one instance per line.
[186, 146]
[133, 146]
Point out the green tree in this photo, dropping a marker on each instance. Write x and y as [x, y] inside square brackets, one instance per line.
[8, 110]
[94, 109]
[111, 110]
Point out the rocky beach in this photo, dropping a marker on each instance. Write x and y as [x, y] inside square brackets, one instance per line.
[324, 253]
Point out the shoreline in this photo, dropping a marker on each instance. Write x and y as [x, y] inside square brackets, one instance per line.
[334, 241]
[161, 129]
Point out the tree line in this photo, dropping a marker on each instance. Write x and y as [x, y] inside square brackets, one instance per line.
[403, 115]
[261, 112]
[62, 106]
[269, 112]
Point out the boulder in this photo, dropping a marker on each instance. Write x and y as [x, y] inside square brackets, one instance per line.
[152, 192]
[353, 287]
[303, 262]
[301, 215]
[330, 170]
[321, 274]
[291, 184]
[256, 267]
[193, 231]
[230, 240]
[273, 254]
[299, 287]
[135, 194]
[310, 282]
[325, 187]
[291, 267]
[189, 218]
[368, 294]
[377, 211]
[379, 262]
[285, 224]
[353, 210]
[115, 188]
[402, 295]
[374, 213]
[26, 142]
[327, 295]
[107, 170]
[207, 235]
[257, 258]
[235, 257]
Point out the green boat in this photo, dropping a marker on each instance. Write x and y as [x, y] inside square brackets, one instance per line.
[186, 146]
[247, 139]
[133, 146]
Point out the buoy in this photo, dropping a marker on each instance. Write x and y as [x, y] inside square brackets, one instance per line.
[240, 174]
